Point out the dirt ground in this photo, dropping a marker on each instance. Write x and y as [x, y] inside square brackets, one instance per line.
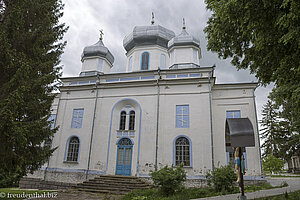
[79, 195]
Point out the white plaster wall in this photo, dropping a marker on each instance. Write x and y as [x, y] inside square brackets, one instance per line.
[144, 97]
[68, 102]
[172, 93]
[92, 64]
[154, 51]
[198, 130]
[234, 99]
[184, 54]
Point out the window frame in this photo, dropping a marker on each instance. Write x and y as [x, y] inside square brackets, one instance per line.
[77, 118]
[131, 123]
[175, 161]
[163, 61]
[148, 64]
[75, 150]
[122, 121]
[182, 116]
[130, 64]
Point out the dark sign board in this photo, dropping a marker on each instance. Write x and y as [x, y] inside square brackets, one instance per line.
[238, 133]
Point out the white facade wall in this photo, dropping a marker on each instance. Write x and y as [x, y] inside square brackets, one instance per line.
[96, 64]
[184, 55]
[235, 97]
[155, 52]
[141, 96]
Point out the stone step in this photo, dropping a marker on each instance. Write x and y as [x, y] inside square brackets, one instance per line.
[124, 182]
[118, 177]
[105, 188]
[103, 191]
[114, 186]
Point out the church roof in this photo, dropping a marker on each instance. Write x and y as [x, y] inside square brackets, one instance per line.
[148, 35]
[184, 38]
[97, 49]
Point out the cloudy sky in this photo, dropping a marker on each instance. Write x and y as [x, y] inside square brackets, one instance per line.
[118, 17]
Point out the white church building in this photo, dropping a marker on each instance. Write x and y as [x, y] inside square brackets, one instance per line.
[165, 109]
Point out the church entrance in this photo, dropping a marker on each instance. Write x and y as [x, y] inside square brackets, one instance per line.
[124, 155]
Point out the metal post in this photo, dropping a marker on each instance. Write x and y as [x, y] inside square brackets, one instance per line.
[157, 118]
[211, 125]
[243, 197]
[93, 127]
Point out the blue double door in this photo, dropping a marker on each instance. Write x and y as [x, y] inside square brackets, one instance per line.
[124, 157]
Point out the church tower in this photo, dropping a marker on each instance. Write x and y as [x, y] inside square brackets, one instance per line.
[96, 59]
[147, 47]
[184, 50]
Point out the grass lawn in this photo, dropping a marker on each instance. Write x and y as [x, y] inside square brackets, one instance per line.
[16, 193]
[189, 193]
[289, 196]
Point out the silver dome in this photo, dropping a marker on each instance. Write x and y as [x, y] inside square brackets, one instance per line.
[184, 38]
[148, 35]
[97, 49]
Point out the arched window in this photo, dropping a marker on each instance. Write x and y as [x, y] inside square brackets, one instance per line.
[122, 120]
[182, 154]
[125, 142]
[131, 120]
[172, 56]
[145, 61]
[195, 52]
[73, 149]
[162, 61]
[130, 64]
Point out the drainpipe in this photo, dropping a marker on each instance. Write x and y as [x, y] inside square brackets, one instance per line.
[157, 117]
[262, 173]
[93, 125]
[211, 125]
[48, 162]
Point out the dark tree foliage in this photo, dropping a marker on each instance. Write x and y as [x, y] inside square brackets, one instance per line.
[263, 36]
[271, 132]
[280, 140]
[30, 50]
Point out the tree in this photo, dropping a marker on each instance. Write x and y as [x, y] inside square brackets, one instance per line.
[279, 138]
[272, 164]
[30, 49]
[271, 130]
[262, 36]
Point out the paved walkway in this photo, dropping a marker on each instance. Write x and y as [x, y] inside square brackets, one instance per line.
[294, 184]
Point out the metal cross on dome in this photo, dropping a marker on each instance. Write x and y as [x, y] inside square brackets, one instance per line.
[101, 34]
[183, 24]
[152, 21]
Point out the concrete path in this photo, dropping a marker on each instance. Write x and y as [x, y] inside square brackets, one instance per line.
[294, 184]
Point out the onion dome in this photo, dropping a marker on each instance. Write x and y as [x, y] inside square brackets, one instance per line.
[97, 50]
[148, 35]
[184, 39]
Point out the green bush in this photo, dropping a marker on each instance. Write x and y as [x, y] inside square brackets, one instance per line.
[222, 178]
[169, 179]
